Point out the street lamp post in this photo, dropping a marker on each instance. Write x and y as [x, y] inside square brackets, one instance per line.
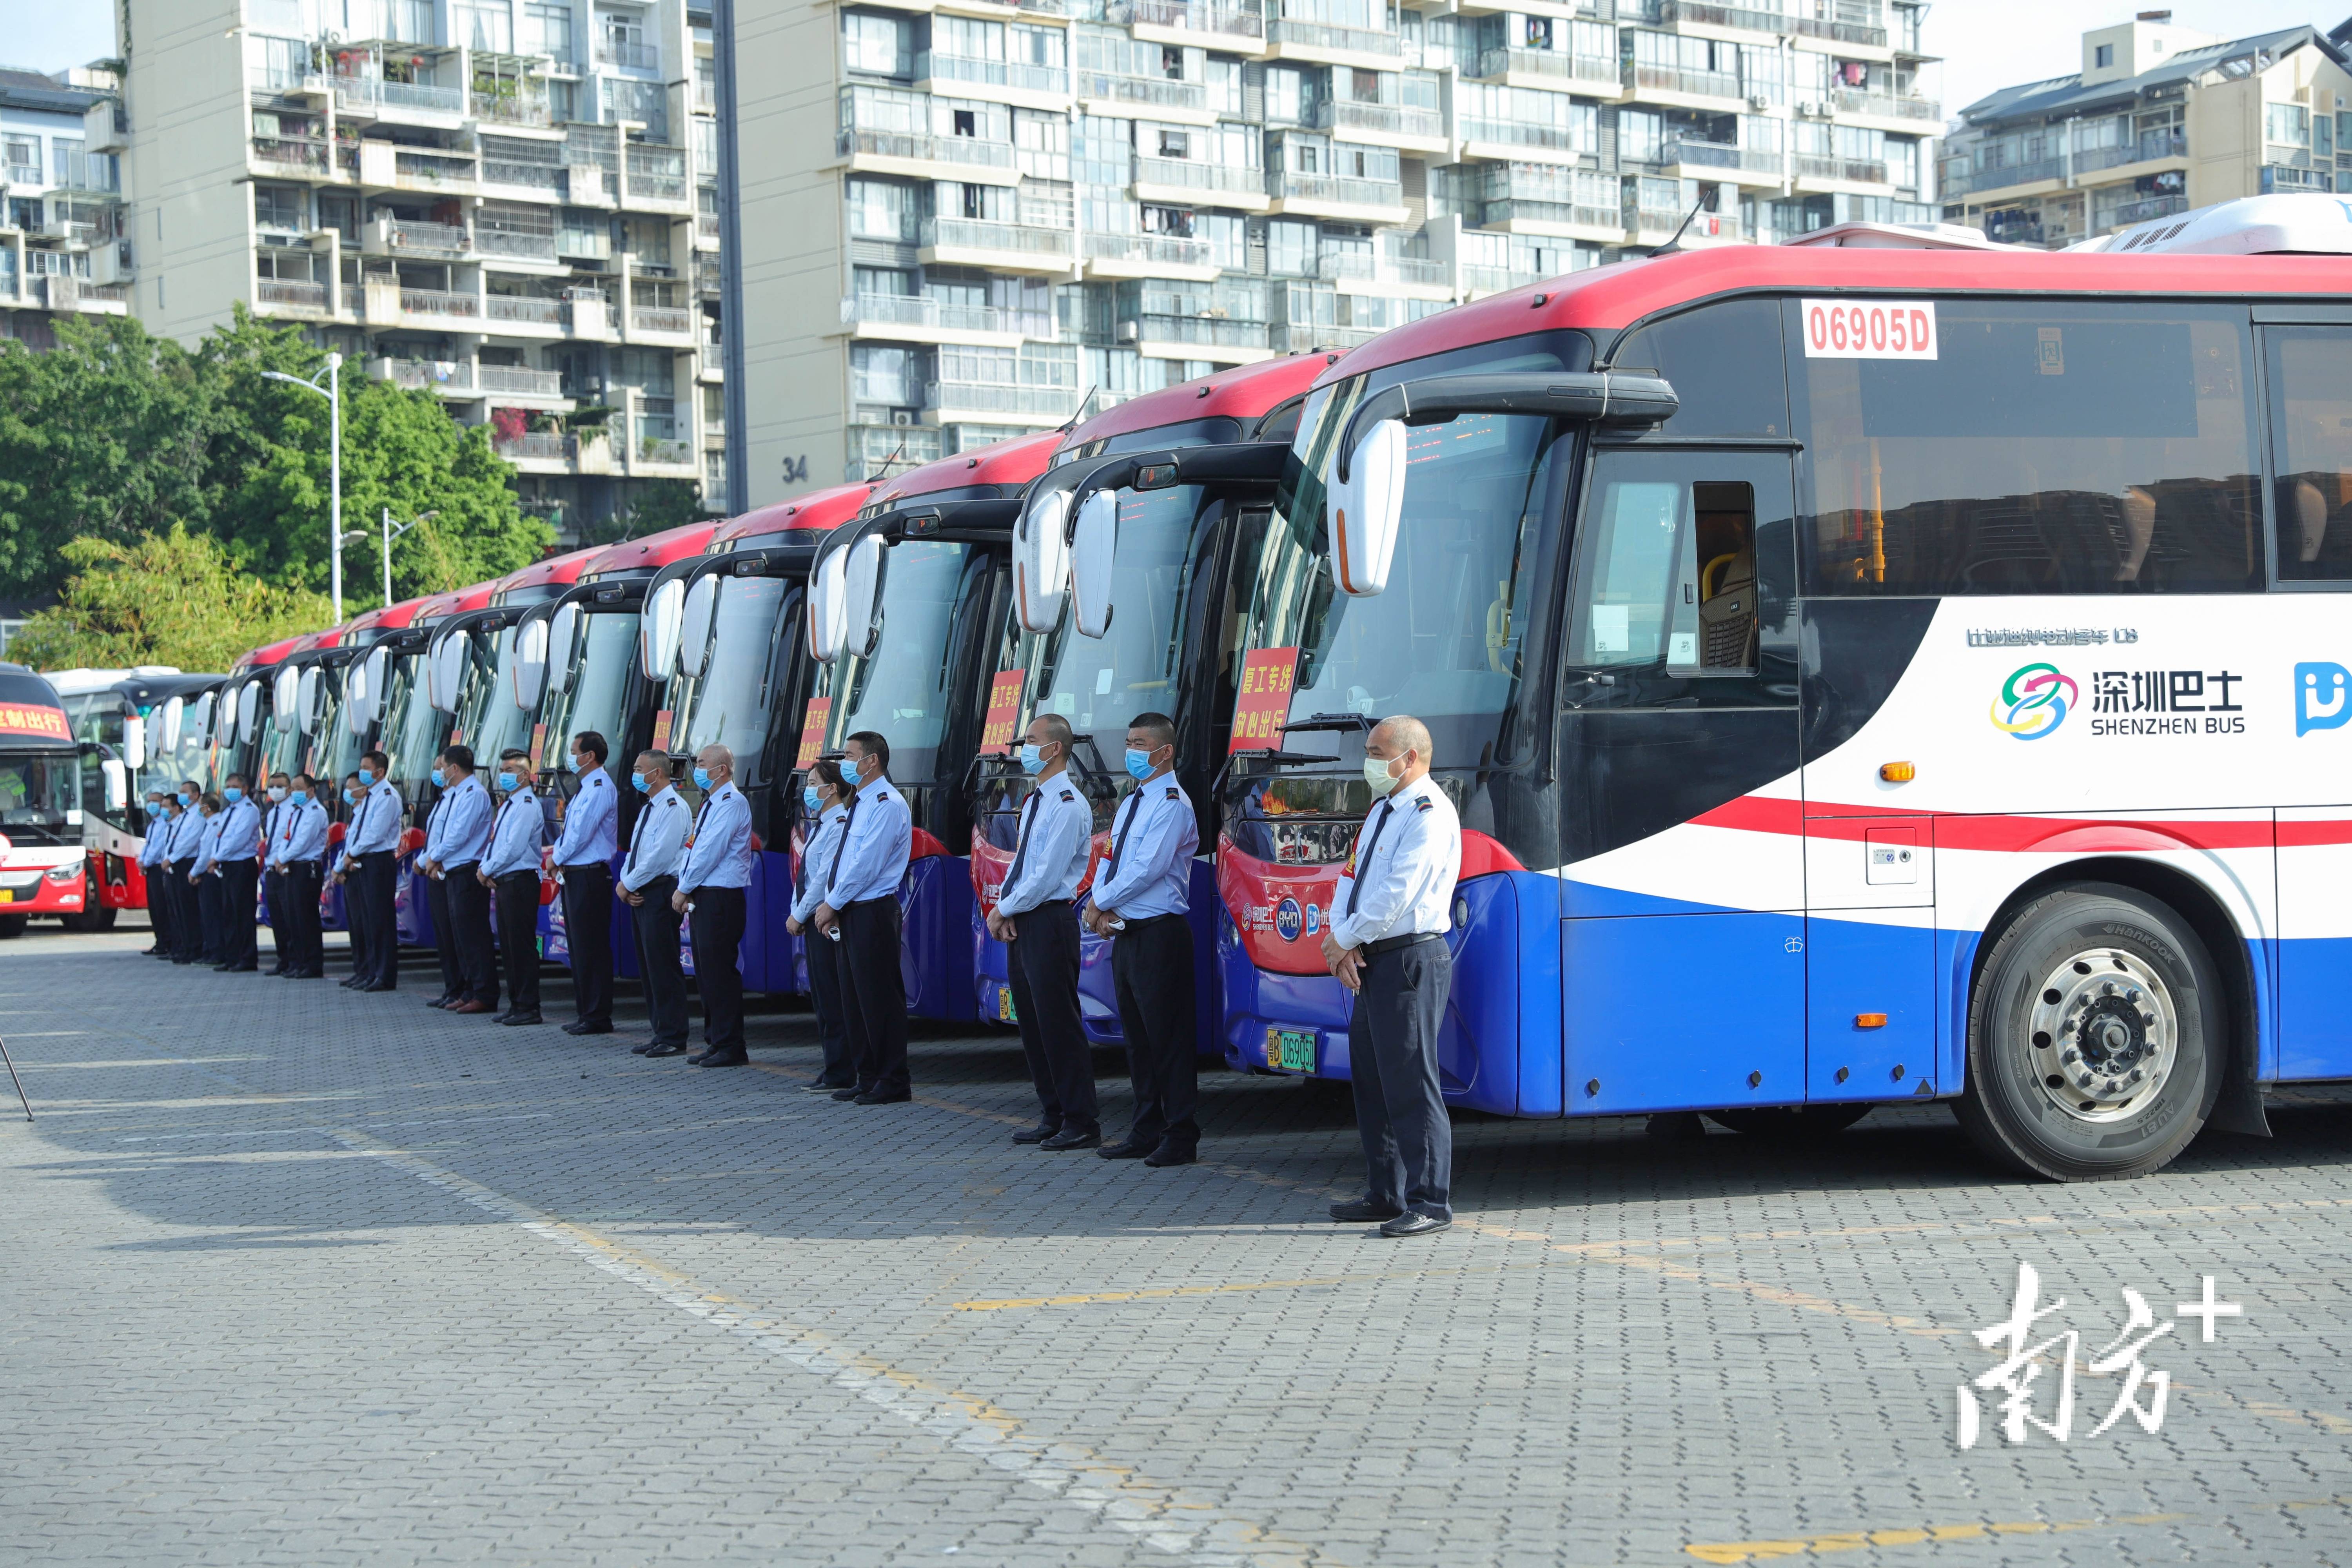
[390, 533]
[334, 393]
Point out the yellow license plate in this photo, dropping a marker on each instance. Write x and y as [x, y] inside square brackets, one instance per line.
[1004, 1005]
[1292, 1050]
[7, 896]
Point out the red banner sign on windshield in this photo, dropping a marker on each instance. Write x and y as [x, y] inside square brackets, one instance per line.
[1004, 712]
[813, 719]
[49, 723]
[1264, 704]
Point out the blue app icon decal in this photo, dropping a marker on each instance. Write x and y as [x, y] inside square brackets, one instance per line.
[2320, 700]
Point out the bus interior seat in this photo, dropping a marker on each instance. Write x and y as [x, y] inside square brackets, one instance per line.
[1725, 515]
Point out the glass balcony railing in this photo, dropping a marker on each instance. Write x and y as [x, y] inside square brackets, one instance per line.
[1145, 92]
[1527, 133]
[1856, 170]
[540, 447]
[1153, 249]
[1509, 208]
[1243, 21]
[1206, 331]
[1886, 105]
[1339, 116]
[1364, 267]
[1288, 187]
[283, 155]
[664, 318]
[1591, 71]
[1838, 32]
[628, 54]
[967, 149]
[1326, 36]
[2149, 209]
[937, 66]
[927, 310]
[1696, 84]
[516, 379]
[2000, 176]
[361, 94]
[1189, 175]
[1478, 280]
[992, 397]
[1715, 155]
[982, 234]
[1712, 15]
[878, 449]
[512, 109]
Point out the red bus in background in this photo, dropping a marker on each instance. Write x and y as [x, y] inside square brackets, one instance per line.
[133, 723]
[44, 867]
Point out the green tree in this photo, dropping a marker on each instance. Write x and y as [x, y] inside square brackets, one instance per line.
[176, 598]
[660, 504]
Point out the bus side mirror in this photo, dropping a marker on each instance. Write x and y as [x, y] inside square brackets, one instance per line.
[134, 741]
[167, 738]
[694, 625]
[658, 637]
[445, 670]
[310, 699]
[842, 595]
[118, 783]
[530, 663]
[563, 636]
[249, 711]
[1093, 546]
[285, 688]
[367, 690]
[1041, 562]
[1363, 512]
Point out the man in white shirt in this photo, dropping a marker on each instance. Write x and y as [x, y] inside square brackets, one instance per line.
[154, 870]
[584, 862]
[1033, 913]
[236, 863]
[1386, 943]
[648, 881]
[273, 886]
[510, 871]
[861, 898]
[298, 848]
[711, 894]
[371, 874]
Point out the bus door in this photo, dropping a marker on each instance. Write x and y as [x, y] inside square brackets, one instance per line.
[1869, 947]
[1683, 897]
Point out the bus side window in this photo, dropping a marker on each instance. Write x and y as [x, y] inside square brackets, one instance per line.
[1723, 527]
[2310, 371]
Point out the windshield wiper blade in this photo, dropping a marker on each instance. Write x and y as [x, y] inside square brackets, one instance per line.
[1330, 721]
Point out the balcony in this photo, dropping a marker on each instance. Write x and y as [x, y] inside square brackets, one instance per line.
[1711, 15]
[1487, 137]
[289, 155]
[1709, 156]
[706, 225]
[1476, 279]
[1390, 124]
[1363, 272]
[1721, 85]
[1843, 171]
[1535, 215]
[1307, 338]
[522, 309]
[2003, 176]
[1200, 337]
[875, 450]
[433, 171]
[397, 236]
[890, 153]
[663, 320]
[440, 303]
[540, 446]
[290, 293]
[969, 71]
[1548, 68]
[1149, 256]
[1188, 16]
[627, 54]
[658, 174]
[1334, 195]
[963, 399]
[1886, 106]
[547, 178]
[512, 109]
[520, 381]
[1007, 247]
[1836, 32]
[454, 376]
[369, 95]
[661, 451]
[2149, 209]
[1311, 41]
[1162, 97]
[1210, 184]
[509, 245]
[923, 318]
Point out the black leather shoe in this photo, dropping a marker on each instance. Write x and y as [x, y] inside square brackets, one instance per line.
[1363, 1211]
[826, 1086]
[641, 1048]
[722, 1059]
[659, 1050]
[1414, 1224]
[1169, 1155]
[1129, 1150]
[879, 1097]
[240, 969]
[585, 1026]
[441, 1001]
[522, 1018]
[223, 968]
[845, 1095]
[499, 1016]
[1071, 1138]
[351, 982]
[1039, 1133]
[380, 986]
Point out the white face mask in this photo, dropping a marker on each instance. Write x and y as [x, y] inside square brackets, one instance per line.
[1377, 774]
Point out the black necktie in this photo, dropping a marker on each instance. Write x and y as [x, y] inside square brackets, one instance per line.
[841, 844]
[1118, 839]
[1020, 847]
[637, 836]
[1364, 855]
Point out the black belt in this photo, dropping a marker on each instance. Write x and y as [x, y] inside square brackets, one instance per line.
[1394, 944]
[868, 903]
[1131, 922]
[586, 865]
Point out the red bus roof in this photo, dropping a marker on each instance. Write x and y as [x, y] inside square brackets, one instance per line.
[266, 654]
[563, 569]
[1243, 392]
[1607, 298]
[1012, 463]
[390, 618]
[655, 550]
[818, 509]
[453, 603]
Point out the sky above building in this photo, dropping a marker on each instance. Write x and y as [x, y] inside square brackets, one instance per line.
[51, 35]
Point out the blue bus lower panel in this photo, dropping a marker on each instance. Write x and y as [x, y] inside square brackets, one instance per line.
[332, 914]
[1097, 992]
[412, 912]
[935, 952]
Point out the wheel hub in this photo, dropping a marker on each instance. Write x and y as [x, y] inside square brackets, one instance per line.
[2105, 1032]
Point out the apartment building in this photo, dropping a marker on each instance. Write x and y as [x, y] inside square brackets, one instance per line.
[513, 204]
[2159, 120]
[60, 202]
[961, 217]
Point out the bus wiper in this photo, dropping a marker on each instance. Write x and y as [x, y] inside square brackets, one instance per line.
[1358, 721]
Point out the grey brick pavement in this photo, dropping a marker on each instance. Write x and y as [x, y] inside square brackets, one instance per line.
[292, 1275]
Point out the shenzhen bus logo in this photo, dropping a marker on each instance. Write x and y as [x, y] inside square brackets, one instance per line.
[2033, 702]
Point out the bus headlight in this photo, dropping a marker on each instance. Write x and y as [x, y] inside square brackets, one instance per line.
[63, 874]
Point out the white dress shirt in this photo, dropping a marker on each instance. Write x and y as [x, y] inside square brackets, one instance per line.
[1153, 836]
[516, 840]
[187, 834]
[817, 858]
[1400, 880]
[376, 821]
[462, 816]
[876, 842]
[240, 832]
[153, 849]
[209, 842]
[657, 842]
[721, 855]
[300, 833]
[591, 823]
[1049, 857]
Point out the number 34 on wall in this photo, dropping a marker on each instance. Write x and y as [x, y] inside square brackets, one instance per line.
[795, 471]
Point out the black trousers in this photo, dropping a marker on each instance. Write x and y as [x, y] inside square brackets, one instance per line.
[715, 925]
[1151, 970]
[1044, 972]
[1393, 1058]
[240, 913]
[655, 926]
[375, 928]
[211, 919]
[588, 933]
[469, 912]
[445, 937]
[300, 936]
[162, 906]
[356, 912]
[517, 894]
[187, 914]
[874, 994]
[827, 985]
[273, 893]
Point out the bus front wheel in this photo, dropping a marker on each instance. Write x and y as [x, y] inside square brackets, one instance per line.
[2095, 1036]
[13, 926]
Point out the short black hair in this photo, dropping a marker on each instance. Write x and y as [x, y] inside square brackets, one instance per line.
[514, 754]
[825, 771]
[459, 757]
[590, 741]
[237, 779]
[303, 779]
[1158, 726]
[377, 761]
[875, 746]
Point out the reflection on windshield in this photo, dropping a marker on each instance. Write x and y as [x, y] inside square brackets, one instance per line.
[600, 680]
[901, 691]
[493, 721]
[732, 700]
[36, 793]
[411, 725]
[1098, 684]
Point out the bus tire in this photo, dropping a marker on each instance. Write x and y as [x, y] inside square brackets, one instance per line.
[101, 918]
[13, 926]
[1791, 1121]
[2096, 1036]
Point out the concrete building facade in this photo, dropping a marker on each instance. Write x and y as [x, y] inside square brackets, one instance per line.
[2158, 120]
[61, 202]
[960, 218]
[513, 204]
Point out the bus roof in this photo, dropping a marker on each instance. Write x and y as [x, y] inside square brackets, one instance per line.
[818, 509]
[1244, 392]
[389, 618]
[438, 606]
[559, 571]
[31, 717]
[268, 654]
[654, 552]
[1609, 297]
[1008, 465]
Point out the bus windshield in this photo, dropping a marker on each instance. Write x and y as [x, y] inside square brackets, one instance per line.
[1100, 683]
[742, 677]
[412, 726]
[600, 681]
[901, 689]
[334, 751]
[40, 799]
[165, 770]
[490, 720]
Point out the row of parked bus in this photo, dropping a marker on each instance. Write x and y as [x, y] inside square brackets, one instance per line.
[1886, 668]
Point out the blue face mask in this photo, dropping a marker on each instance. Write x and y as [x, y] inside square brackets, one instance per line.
[1139, 764]
[367, 777]
[811, 799]
[234, 793]
[638, 780]
[702, 779]
[507, 782]
[182, 796]
[350, 797]
[438, 781]
[1033, 758]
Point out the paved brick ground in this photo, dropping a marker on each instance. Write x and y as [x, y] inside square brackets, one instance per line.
[292, 1275]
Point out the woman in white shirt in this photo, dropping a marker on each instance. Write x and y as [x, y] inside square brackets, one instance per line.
[825, 796]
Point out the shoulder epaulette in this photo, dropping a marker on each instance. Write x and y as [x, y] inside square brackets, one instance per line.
[1421, 805]
[1068, 796]
[1173, 793]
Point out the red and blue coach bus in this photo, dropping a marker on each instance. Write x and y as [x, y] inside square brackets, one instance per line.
[1863, 674]
[928, 556]
[1174, 559]
[42, 860]
[118, 721]
[726, 626]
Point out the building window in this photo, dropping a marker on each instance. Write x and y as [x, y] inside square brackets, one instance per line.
[874, 46]
[23, 156]
[547, 30]
[2103, 56]
[277, 207]
[485, 25]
